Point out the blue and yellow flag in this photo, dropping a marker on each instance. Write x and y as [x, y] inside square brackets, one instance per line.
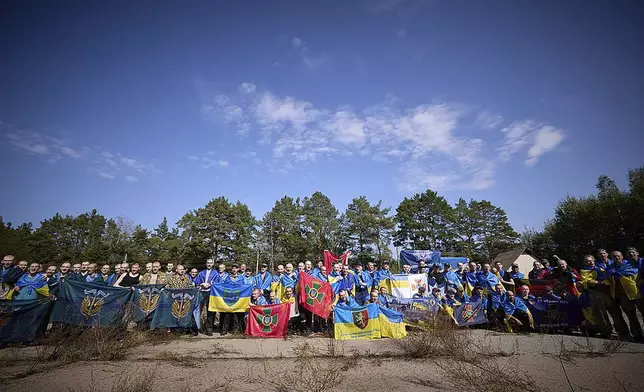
[21, 321]
[91, 304]
[391, 323]
[229, 298]
[178, 308]
[626, 273]
[145, 299]
[280, 284]
[357, 323]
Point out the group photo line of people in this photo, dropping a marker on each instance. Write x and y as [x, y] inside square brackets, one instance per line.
[350, 300]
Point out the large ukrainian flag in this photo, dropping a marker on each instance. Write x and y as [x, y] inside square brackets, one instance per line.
[626, 273]
[356, 323]
[392, 324]
[230, 298]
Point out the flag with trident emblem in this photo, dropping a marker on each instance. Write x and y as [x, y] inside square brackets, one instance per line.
[91, 304]
[316, 295]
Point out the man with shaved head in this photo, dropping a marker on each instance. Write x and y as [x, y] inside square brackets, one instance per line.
[155, 276]
[31, 284]
[9, 275]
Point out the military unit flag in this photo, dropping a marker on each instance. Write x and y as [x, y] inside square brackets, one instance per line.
[268, 321]
[316, 296]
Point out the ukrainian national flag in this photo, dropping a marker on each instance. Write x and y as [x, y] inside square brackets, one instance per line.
[334, 281]
[391, 323]
[357, 323]
[279, 286]
[386, 283]
[230, 298]
[626, 274]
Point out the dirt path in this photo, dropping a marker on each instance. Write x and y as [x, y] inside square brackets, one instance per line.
[239, 365]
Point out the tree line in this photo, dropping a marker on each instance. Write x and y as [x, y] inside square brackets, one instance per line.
[293, 230]
[610, 219]
[298, 229]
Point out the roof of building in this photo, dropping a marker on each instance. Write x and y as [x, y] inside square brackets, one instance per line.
[509, 257]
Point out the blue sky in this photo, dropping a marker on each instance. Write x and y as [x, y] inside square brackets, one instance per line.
[150, 109]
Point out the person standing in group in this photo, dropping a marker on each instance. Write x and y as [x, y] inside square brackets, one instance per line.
[263, 280]
[129, 279]
[204, 281]
[622, 277]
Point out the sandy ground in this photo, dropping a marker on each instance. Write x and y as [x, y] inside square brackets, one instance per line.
[197, 364]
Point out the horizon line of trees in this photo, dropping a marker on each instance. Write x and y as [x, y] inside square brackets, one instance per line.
[301, 229]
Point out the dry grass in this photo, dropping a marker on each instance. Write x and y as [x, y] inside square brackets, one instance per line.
[179, 359]
[589, 350]
[313, 371]
[72, 344]
[143, 382]
[480, 366]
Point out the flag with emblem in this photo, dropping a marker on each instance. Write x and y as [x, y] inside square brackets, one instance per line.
[470, 313]
[21, 321]
[269, 321]
[357, 323]
[556, 313]
[406, 285]
[178, 308]
[316, 296]
[230, 297]
[145, 299]
[90, 304]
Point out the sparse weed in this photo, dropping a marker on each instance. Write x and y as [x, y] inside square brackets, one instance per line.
[142, 382]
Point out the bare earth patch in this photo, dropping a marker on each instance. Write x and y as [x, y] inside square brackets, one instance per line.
[549, 362]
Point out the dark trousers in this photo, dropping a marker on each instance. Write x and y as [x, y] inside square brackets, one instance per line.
[629, 306]
[209, 326]
[523, 318]
[307, 317]
[295, 324]
[228, 321]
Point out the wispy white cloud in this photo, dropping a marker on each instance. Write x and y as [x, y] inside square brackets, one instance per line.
[308, 57]
[540, 138]
[208, 160]
[487, 120]
[431, 144]
[106, 175]
[249, 156]
[131, 179]
[34, 143]
[134, 164]
[401, 33]
[53, 149]
[399, 6]
[546, 139]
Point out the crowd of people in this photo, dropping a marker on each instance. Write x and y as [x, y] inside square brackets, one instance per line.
[607, 287]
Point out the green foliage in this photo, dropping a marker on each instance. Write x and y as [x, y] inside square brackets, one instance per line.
[321, 224]
[282, 234]
[611, 219]
[219, 230]
[368, 229]
[294, 230]
[424, 222]
[478, 229]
